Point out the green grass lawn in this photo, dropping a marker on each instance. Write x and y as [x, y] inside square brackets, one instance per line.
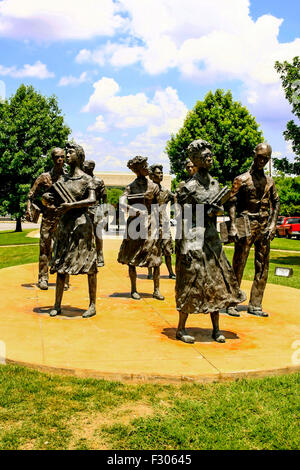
[43, 411]
[8, 237]
[282, 244]
[285, 244]
[282, 259]
[15, 255]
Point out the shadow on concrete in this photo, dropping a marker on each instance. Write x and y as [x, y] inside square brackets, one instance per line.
[201, 335]
[34, 285]
[126, 295]
[240, 308]
[144, 276]
[51, 285]
[66, 311]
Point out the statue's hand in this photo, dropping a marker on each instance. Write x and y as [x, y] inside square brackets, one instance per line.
[233, 233]
[270, 232]
[135, 212]
[63, 208]
[215, 210]
[142, 212]
[48, 200]
[28, 215]
[66, 205]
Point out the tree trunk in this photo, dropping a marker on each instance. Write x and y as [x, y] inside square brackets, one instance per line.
[118, 218]
[18, 224]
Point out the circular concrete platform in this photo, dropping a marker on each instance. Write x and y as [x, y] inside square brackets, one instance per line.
[135, 340]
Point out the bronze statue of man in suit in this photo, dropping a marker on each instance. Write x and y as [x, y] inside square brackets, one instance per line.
[253, 195]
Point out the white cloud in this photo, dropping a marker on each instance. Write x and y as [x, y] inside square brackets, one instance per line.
[2, 90]
[99, 125]
[111, 162]
[59, 19]
[289, 148]
[108, 156]
[70, 80]
[37, 70]
[119, 55]
[207, 42]
[266, 101]
[157, 117]
[162, 115]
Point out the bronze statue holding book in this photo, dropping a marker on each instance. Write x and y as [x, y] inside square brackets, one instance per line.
[141, 247]
[74, 250]
[49, 213]
[205, 281]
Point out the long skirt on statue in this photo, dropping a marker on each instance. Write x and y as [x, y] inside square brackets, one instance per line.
[144, 251]
[205, 281]
[74, 250]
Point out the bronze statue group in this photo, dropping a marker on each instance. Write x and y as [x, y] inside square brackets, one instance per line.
[205, 280]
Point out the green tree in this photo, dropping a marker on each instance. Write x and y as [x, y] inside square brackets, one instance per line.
[113, 195]
[289, 193]
[30, 125]
[290, 78]
[227, 125]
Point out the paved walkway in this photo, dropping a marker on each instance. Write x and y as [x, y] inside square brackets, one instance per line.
[135, 340]
[7, 225]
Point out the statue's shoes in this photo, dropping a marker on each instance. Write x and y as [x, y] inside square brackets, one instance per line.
[257, 311]
[100, 264]
[172, 276]
[135, 296]
[43, 285]
[89, 313]
[54, 312]
[218, 337]
[232, 311]
[183, 336]
[158, 296]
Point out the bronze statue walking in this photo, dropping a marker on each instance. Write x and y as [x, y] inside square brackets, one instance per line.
[205, 281]
[50, 216]
[141, 247]
[74, 250]
[96, 212]
[165, 196]
[253, 196]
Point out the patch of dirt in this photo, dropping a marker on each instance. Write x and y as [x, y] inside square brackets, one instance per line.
[87, 427]
[30, 445]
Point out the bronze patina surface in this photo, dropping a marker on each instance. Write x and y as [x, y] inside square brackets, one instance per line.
[50, 216]
[165, 196]
[144, 250]
[96, 212]
[74, 250]
[254, 196]
[205, 281]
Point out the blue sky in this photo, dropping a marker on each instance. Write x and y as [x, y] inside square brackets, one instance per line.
[126, 72]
